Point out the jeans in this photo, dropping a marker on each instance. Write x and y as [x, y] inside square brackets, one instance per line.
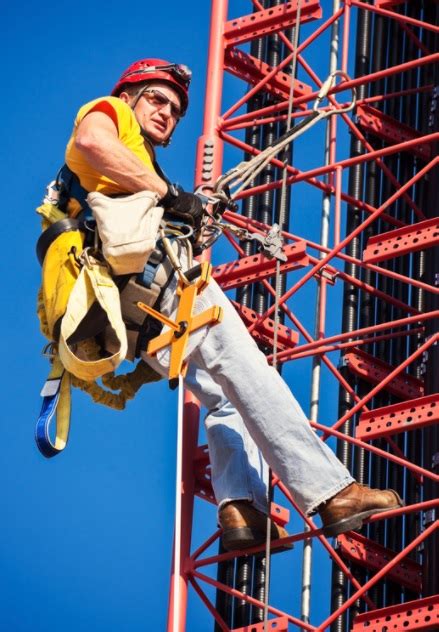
[252, 417]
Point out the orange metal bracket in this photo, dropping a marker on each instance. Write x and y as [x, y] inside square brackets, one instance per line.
[185, 324]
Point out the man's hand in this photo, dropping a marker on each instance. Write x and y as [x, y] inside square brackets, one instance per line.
[183, 206]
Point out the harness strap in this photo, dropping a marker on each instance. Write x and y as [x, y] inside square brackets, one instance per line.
[72, 188]
[94, 283]
[147, 277]
[56, 229]
[56, 403]
[147, 287]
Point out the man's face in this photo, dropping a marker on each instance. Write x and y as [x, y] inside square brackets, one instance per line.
[157, 111]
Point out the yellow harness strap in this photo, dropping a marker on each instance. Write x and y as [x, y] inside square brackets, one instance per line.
[94, 283]
[50, 214]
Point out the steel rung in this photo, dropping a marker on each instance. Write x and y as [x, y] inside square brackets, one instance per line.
[412, 616]
[412, 415]
[373, 556]
[402, 241]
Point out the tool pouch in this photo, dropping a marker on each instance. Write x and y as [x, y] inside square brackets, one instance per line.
[128, 228]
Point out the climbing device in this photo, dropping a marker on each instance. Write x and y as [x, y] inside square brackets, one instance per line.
[186, 322]
[228, 186]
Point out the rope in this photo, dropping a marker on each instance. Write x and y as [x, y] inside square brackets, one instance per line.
[246, 171]
[127, 385]
[283, 144]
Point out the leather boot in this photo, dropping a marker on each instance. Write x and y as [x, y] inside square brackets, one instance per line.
[244, 526]
[349, 508]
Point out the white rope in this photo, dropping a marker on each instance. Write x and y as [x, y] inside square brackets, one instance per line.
[178, 490]
[247, 171]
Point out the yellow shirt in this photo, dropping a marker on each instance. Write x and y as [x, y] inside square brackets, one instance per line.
[128, 133]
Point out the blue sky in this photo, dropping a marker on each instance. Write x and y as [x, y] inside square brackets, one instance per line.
[86, 537]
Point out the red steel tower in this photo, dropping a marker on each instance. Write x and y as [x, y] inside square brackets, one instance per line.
[367, 255]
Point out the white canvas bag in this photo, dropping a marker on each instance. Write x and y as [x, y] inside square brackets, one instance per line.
[128, 228]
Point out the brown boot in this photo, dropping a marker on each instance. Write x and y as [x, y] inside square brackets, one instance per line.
[244, 526]
[349, 508]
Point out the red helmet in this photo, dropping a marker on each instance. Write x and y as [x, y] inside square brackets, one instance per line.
[178, 75]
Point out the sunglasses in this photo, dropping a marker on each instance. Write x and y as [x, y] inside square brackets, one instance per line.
[159, 100]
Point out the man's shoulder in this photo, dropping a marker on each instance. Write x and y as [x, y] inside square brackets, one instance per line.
[119, 106]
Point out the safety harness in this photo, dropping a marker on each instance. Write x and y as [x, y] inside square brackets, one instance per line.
[90, 316]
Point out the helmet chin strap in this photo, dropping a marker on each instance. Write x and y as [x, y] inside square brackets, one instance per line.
[152, 142]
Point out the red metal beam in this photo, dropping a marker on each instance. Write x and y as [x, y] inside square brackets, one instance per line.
[252, 225]
[255, 602]
[403, 462]
[220, 621]
[381, 74]
[412, 616]
[252, 70]
[358, 333]
[346, 345]
[294, 171]
[269, 21]
[405, 19]
[287, 60]
[385, 4]
[257, 267]
[402, 241]
[373, 370]
[379, 575]
[351, 236]
[286, 338]
[358, 134]
[315, 78]
[280, 624]
[390, 130]
[373, 556]
[389, 420]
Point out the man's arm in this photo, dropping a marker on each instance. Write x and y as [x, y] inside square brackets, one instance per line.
[96, 138]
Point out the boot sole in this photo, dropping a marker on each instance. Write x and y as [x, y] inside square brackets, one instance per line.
[355, 522]
[246, 538]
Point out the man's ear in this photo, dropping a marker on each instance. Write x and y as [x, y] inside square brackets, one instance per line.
[124, 96]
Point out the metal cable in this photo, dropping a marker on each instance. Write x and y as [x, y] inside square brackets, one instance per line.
[276, 310]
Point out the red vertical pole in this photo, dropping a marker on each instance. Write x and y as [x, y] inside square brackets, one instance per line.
[208, 168]
[210, 146]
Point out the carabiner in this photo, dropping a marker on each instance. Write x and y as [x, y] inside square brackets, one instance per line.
[327, 86]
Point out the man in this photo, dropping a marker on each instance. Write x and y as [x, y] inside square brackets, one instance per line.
[112, 151]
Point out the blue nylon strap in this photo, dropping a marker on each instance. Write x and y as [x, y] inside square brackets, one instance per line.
[56, 406]
[75, 190]
[147, 277]
[48, 410]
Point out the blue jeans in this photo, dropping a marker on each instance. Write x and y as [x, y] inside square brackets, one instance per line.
[252, 417]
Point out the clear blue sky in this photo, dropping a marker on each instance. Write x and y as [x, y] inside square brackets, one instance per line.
[86, 537]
